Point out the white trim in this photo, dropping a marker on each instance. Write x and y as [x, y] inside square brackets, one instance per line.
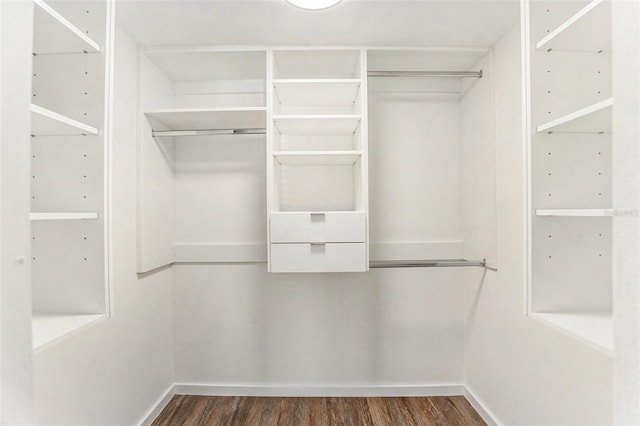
[482, 410]
[318, 391]
[158, 406]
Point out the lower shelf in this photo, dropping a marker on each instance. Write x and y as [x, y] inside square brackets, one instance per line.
[591, 327]
[50, 328]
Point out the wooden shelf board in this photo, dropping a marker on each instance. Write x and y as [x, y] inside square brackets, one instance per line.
[595, 118]
[63, 215]
[210, 118]
[316, 92]
[575, 212]
[315, 125]
[593, 328]
[55, 34]
[589, 30]
[317, 157]
[45, 122]
[48, 329]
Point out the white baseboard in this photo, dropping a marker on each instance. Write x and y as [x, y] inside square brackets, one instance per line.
[354, 391]
[482, 410]
[157, 408]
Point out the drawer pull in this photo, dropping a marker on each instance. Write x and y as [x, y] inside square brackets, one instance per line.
[318, 244]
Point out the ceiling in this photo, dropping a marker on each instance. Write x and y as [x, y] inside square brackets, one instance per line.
[468, 23]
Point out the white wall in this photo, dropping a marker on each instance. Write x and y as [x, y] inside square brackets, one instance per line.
[115, 370]
[238, 324]
[626, 199]
[15, 283]
[523, 371]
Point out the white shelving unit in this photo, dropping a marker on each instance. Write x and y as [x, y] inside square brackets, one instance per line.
[570, 264]
[317, 162]
[72, 55]
[188, 181]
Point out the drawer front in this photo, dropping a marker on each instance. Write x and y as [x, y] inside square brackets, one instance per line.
[329, 257]
[329, 227]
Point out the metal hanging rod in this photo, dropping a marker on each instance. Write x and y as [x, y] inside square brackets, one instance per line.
[443, 263]
[210, 132]
[420, 74]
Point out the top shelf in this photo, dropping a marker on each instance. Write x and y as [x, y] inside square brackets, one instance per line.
[589, 30]
[209, 118]
[55, 34]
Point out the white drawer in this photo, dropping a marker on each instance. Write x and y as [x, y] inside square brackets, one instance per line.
[329, 257]
[329, 227]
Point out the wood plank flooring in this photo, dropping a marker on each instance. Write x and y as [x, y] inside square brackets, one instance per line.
[262, 411]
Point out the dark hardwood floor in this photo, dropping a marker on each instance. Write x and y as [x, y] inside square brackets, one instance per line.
[240, 410]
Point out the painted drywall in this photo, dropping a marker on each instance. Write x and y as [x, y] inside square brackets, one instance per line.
[523, 371]
[15, 282]
[112, 372]
[626, 201]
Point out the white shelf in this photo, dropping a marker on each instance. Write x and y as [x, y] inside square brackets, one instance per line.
[316, 92]
[575, 212]
[210, 118]
[49, 329]
[315, 125]
[595, 118]
[589, 30]
[55, 34]
[45, 122]
[317, 157]
[592, 328]
[63, 215]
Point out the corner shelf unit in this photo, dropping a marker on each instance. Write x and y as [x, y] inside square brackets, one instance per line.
[570, 166]
[69, 147]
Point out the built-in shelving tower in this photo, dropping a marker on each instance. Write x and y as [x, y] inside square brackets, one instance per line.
[69, 149]
[571, 168]
[317, 161]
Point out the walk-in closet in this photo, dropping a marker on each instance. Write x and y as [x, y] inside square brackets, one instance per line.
[320, 212]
